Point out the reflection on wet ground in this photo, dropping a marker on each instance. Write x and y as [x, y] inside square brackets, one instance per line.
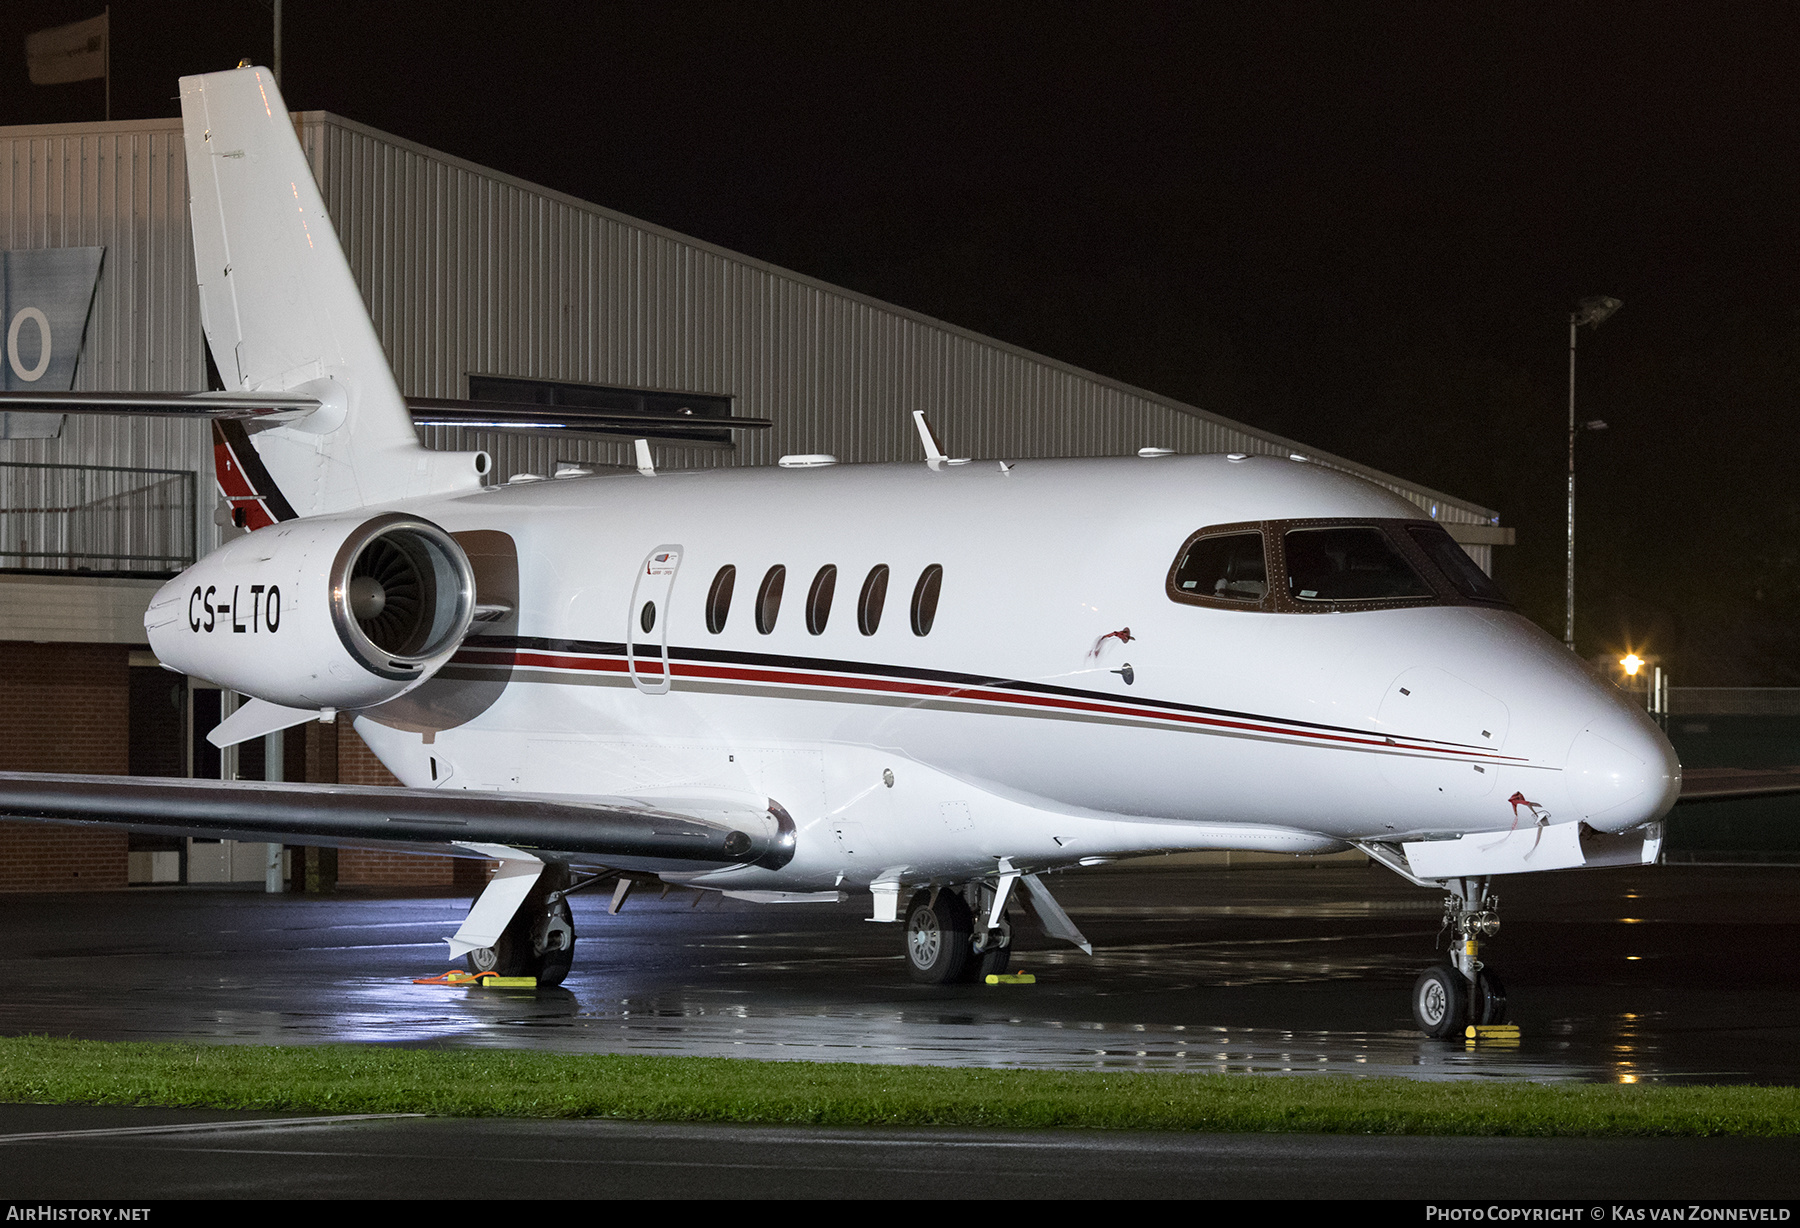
[1669, 974]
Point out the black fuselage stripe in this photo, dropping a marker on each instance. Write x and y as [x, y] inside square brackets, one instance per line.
[907, 673]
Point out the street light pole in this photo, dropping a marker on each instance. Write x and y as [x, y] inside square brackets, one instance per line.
[1589, 311]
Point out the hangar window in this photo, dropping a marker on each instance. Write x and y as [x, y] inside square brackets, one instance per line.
[818, 599]
[1348, 563]
[874, 596]
[684, 408]
[768, 598]
[925, 599]
[718, 598]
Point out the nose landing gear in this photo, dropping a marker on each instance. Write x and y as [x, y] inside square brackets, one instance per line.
[1449, 996]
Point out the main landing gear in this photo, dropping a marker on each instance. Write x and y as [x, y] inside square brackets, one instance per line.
[1449, 996]
[540, 939]
[948, 938]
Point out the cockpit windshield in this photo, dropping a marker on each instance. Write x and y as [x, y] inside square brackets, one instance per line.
[1327, 566]
[1351, 563]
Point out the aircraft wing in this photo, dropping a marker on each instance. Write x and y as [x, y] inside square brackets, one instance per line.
[1726, 784]
[618, 832]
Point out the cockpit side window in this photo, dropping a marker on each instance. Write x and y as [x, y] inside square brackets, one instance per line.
[1455, 563]
[1349, 563]
[1228, 567]
[1225, 566]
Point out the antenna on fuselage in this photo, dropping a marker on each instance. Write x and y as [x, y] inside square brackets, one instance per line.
[644, 464]
[934, 452]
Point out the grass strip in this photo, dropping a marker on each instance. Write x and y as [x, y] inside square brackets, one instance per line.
[374, 1079]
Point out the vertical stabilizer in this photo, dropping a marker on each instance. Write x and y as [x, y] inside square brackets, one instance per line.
[283, 314]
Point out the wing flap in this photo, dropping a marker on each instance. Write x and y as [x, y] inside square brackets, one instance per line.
[626, 832]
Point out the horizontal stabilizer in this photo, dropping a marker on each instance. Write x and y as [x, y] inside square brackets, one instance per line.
[1725, 784]
[256, 718]
[614, 831]
[202, 406]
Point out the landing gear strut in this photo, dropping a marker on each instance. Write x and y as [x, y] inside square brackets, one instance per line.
[1448, 997]
[540, 939]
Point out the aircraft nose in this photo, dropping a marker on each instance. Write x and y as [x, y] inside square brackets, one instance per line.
[1621, 771]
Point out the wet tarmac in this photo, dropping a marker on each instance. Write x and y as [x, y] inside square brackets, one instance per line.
[93, 1153]
[1674, 974]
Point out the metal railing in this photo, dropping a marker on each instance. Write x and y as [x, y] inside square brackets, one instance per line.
[96, 519]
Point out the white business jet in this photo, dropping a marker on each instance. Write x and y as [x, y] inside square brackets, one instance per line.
[924, 686]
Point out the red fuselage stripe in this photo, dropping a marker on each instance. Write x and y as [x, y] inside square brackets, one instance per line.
[653, 668]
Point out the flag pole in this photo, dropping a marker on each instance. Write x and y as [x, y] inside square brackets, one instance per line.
[107, 13]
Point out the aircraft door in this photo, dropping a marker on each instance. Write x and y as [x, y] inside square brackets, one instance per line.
[647, 629]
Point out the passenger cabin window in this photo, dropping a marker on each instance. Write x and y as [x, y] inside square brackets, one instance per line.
[1351, 563]
[768, 598]
[874, 596]
[718, 598]
[925, 599]
[1228, 567]
[818, 599]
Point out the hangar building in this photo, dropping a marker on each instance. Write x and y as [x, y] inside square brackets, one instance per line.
[480, 286]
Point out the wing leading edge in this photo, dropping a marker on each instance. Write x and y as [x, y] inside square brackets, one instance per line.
[622, 832]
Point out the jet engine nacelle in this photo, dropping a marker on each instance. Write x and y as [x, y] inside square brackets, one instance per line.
[336, 612]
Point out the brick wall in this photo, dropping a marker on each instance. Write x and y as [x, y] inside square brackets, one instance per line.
[63, 708]
[357, 765]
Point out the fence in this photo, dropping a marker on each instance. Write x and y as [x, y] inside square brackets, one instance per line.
[96, 519]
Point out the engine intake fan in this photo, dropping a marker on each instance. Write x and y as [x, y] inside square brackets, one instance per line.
[402, 593]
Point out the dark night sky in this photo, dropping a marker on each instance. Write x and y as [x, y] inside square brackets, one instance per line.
[1360, 225]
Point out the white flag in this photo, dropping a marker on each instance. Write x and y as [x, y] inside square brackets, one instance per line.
[67, 53]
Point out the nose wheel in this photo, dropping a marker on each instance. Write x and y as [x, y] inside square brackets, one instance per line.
[1449, 996]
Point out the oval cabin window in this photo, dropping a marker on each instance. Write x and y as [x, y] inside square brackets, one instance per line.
[925, 599]
[818, 598]
[874, 596]
[718, 598]
[768, 598]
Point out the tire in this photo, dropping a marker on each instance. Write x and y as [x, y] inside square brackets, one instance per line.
[1440, 1002]
[559, 940]
[995, 961]
[1491, 994]
[533, 942]
[509, 956]
[937, 938]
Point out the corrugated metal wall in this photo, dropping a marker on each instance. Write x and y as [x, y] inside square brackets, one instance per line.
[121, 186]
[469, 271]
